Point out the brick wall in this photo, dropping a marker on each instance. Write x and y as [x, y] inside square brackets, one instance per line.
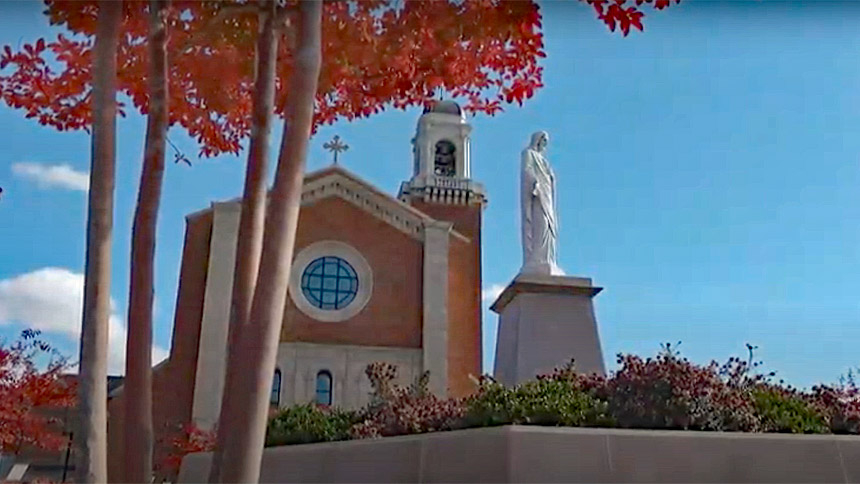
[464, 293]
[392, 317]
[173, 381]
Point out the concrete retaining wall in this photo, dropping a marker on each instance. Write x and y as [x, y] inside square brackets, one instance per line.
[552, 454]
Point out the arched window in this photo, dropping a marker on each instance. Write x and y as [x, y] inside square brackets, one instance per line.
[444, 161]
[323, 390]
[275, 397]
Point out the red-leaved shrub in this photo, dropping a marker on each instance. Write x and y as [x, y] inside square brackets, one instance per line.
[841, 404]
[33, 392]
[399, 410]
[188, 439]
[669, 392]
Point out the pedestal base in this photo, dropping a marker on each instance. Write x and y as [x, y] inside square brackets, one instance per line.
[544, 322]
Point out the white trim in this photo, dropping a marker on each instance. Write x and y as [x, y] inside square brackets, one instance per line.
[336, 181]
[212, 343]
[394, 212]
[337, 249]
[435, 329]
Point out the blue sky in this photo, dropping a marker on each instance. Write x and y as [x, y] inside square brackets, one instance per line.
[708, 174]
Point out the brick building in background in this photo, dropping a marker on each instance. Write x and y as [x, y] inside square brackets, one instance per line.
[375, 278]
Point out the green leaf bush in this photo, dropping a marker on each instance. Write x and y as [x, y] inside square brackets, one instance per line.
[562, 398]
[305, 424]
[788, 411]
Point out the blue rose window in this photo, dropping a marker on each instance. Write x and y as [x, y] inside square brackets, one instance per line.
[329, 283]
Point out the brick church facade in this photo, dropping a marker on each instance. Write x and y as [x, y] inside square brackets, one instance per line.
[375, 278]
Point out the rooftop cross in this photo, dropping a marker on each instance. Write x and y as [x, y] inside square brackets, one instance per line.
[336, 146]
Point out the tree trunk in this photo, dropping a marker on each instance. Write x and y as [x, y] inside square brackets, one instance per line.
[252, 218]
[91, 435]
[259, 343]
[138, 365]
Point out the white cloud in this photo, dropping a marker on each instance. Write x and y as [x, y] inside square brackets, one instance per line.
[51, 300]
[48, 176]
[490, 294]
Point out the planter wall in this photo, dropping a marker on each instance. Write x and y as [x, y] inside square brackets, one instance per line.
[553, 454]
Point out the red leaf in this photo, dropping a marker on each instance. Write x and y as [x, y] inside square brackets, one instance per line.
[636, 20]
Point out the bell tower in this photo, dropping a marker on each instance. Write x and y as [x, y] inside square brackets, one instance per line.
[442, 159]
[441, 187]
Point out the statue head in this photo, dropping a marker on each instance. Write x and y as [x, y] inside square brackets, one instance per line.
[539, 141]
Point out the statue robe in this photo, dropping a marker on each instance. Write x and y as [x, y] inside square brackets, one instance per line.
[539, 224]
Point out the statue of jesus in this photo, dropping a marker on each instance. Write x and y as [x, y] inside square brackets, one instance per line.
[538, 210]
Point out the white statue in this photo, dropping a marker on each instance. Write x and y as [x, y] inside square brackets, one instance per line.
[539, 221]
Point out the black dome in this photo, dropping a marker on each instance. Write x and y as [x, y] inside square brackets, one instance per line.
[445, 107]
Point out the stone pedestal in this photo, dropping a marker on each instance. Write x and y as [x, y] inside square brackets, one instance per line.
[544, 321]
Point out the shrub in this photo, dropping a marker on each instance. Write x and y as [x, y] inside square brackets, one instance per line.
[398, 410]
[303, 424]
[187, 439]
[841, 405]
[561, 398]
[669, 392]
[33, 393]
[664, 392]
[786, 410]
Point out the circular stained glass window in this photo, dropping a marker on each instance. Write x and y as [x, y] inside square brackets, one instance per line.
[329, 283]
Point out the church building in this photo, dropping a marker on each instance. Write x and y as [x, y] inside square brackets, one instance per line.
[375, 278]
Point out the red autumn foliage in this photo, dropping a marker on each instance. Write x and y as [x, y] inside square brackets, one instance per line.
[377, 53]
[841, 404]
[671, 392]
[32, 385]
[188, 439]
[623, 13]
[399, 410]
